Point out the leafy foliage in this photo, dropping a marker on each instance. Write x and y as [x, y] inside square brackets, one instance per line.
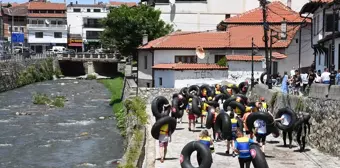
[125, 26]
[91, 77]
[43, 99]
[137, 107]
[222, 62]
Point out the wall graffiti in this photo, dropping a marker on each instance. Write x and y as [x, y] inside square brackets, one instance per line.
[201, 74]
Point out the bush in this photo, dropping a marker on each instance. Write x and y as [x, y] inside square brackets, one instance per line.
[91, 77]
[43, 99]
[222, 62]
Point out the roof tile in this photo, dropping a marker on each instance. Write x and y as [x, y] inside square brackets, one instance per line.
[47, 15]
[116, 3]
[275, 14]
[46, 6]
[257, 58]
[189, 66]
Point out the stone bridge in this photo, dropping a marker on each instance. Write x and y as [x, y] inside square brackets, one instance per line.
[81, 64]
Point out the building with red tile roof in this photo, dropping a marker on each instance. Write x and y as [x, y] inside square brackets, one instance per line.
[120, 3]
[235, 42]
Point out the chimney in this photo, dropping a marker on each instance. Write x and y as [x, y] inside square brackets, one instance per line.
[145, 39]
[227, 16]
[283, 29]
[76, 2]
[289, 3]
[71, 3]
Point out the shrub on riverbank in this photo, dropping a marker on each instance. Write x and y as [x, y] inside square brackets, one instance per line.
[91, 77]
[115, 86]
[43, 99]
[37, 73]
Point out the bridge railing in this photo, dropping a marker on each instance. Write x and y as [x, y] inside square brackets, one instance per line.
[20, 57]
[89, 56]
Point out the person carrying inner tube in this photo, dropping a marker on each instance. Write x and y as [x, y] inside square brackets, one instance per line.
[164, 138]
[301, 130]
[249, 110]
[217, 89]
[242, 148]
[181, 105]
[264, 104]
[204, 111]
[215, 114]
[260, 132]
[204, 93]
[206, 140]
[234, 128]
[286, 119]
[191, 115]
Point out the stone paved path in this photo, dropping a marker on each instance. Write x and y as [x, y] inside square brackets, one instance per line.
[277, 156]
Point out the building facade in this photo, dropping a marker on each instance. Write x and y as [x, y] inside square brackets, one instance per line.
[84, 25]
[322, 34]
[46, 26]
[201, 15]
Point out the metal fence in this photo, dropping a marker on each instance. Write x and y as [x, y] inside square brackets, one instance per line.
[20, 57]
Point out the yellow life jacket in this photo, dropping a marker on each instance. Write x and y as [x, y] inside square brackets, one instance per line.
[264, 105]
[164, 129]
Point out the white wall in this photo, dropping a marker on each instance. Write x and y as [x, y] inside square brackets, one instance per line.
[48, 37]
[167, 76]
[191, 77]
[292, 52]
[239, 71]
[75, 19]
[142, 72]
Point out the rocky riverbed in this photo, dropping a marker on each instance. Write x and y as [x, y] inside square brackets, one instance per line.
[81, 134]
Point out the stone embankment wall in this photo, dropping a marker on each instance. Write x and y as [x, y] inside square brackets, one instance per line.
[322, 105]
[14, 74]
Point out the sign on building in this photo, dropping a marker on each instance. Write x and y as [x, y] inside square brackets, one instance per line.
[18, 37]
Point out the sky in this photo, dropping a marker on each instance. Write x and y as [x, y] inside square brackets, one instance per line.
[68, 1]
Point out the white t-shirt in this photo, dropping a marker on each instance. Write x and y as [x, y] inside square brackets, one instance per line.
[261, 126]
[286, 119]
[317, 78]
[304, 78]
[292, 72]
[325, 76]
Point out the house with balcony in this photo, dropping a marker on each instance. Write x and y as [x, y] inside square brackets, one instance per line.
[201, 15]
[84, 25]
[171, 61]
[16, 16]
[321, 11]
[46, 26]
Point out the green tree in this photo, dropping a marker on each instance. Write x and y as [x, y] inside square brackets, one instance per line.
[125, 26]
[8, 5]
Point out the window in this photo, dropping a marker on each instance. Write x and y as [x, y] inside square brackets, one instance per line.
[92, 34]
[218, 57]
[50, 11]
[329, 22]
[39, 35]
[147, 84]
[185, 59]
[96, 10]
[43, 11]
[34, 22]
[58, 35]
[160, 81]
[40, 22]
[145, 62]
[22, 29]
[76, 10]
[53, 22]
[16, 29]
[88, 10]
[60, 22]
[60, 11]
[9, 29]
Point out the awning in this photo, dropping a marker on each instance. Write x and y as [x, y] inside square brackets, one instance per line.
[75, 44]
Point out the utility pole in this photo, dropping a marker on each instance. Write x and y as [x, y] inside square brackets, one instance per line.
[333, 37]
[12, 24]
[300, 42]
[252, 63]
[265, 30]
[271, 52]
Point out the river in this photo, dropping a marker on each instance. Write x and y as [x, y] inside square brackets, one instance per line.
[72, 136]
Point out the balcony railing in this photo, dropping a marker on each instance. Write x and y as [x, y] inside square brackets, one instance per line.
[93, 26]
[46, 26]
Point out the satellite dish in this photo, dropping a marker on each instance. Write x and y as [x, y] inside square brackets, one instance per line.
[200, 52]
[47, 21]
[172, 2]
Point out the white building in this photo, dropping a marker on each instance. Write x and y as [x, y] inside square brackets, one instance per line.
[160, 58]
[84, 22]
[46, 25]
[322, 15]
[200, 15]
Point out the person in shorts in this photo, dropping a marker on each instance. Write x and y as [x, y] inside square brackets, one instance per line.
[242, 147]
[191, 116]
[244, 119]
[204, 112]
[260, 132]
[164, 138]
[234, 127]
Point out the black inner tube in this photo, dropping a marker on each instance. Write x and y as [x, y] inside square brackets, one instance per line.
[201, 149]
[162, 121]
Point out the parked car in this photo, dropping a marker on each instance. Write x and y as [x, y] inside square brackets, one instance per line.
[69, 51]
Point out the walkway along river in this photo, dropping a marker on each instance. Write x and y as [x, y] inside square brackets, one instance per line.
[72, 136]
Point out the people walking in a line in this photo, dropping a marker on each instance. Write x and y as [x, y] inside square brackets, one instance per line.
[245, 116]
[206, 140]
[164, 138]
[325, 77]
[234, 128]
[204, 111]
[242, 148]
[285, 83]
[261, 131]
[215, 114]
[191, 116]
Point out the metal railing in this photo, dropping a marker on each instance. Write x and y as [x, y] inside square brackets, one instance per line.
[46, 26]
[20, 57]
[89, 56]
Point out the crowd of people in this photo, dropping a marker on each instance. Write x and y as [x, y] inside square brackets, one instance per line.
[238, 144]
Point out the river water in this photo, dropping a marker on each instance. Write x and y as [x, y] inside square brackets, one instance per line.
[72, 136]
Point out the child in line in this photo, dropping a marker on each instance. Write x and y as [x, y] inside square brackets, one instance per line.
[206, 140]
[234, 127]
[191, 116]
